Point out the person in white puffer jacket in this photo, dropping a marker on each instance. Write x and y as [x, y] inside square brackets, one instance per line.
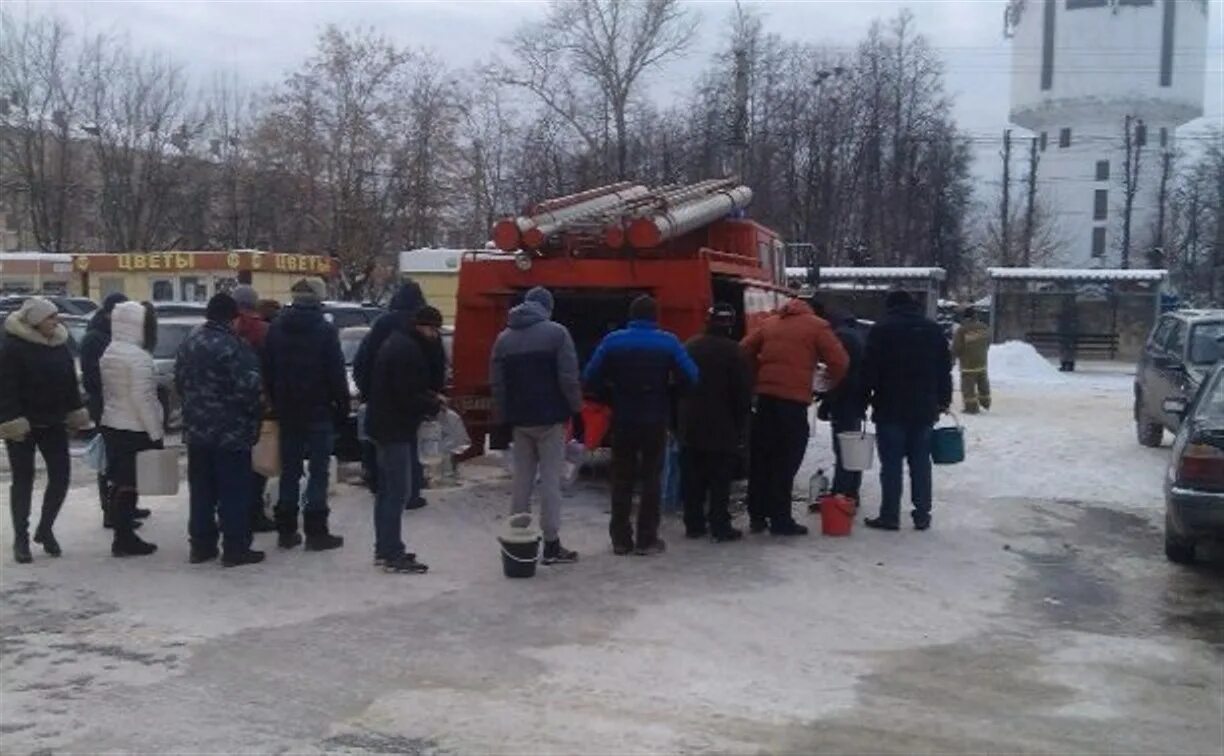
[131, 416]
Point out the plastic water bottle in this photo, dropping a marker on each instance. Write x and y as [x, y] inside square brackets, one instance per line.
[818, 488]
[429, 443]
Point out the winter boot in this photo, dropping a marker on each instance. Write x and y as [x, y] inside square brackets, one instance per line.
[126, 543]
[657, 546]
[260, 523]
[314, 525]
[286, 529]
[45, 537]
[758, 525]
[879, 523]
[405, 564]
[555, 553]
[21, 549]
[694, 532]
[141, 513]
[250, 556]
[726, 535]
[416, 502]
[790, 528]
[203, 553]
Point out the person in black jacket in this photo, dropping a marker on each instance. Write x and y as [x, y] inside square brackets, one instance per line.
[97, 338]
[907, 377]
[843, 407]
[407, 301]
[40, 403]
[713, 423]
[305, 380]
[400, 398]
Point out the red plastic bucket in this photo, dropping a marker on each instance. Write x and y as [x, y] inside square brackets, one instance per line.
[836, 515]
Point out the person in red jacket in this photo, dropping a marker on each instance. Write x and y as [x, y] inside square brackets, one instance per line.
[252, 328]
[784, 353]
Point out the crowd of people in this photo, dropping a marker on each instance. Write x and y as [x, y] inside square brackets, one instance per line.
[725, 401]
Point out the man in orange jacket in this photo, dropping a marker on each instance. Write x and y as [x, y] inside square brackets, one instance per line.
[784, 353]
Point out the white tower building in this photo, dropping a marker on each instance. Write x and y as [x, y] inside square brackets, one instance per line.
[1082, 71]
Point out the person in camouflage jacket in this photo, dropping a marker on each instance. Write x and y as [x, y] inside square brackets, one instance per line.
[971, 347]
[217, 376]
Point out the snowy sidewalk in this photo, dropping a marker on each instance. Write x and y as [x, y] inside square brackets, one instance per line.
[1037, 615]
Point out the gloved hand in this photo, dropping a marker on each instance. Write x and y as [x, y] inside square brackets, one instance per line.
[16, 429]
[78, 420]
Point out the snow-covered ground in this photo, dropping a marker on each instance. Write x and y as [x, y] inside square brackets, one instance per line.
[1037, 615]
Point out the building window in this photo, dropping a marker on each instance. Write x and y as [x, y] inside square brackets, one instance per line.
[1098, 241]
[162, 290]
[1102, 170]
[1045, 140]
[1100, 204]
[1064, 138]
[1164, 137]
[1141, 135]
[1077, 4]
[1136, 2]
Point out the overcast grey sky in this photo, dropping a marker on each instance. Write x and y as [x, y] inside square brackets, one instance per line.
[260, 41]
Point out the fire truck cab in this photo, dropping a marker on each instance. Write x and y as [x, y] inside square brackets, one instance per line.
[726, 259]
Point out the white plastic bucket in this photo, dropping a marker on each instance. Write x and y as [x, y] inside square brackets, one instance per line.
[157, 472]
[857, 450]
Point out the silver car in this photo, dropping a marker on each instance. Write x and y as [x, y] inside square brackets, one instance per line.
[171, 333]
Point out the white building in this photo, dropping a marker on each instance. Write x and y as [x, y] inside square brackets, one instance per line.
[1081, 71]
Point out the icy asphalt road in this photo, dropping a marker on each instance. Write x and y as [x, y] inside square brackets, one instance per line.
[1038, 615]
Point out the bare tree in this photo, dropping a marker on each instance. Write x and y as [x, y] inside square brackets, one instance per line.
[140, 127]
[596, 53]
[43, 88]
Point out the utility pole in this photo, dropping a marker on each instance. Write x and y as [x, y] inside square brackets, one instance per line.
[1030, 212]
[1005, 205]
[1133, 144]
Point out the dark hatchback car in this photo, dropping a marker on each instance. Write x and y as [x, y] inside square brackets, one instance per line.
[1194, 484]
[1183, 348]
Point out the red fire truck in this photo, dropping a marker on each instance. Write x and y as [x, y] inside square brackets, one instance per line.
[688, 246]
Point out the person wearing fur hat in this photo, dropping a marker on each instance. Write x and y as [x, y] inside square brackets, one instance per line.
[40, 402]
[132, 417]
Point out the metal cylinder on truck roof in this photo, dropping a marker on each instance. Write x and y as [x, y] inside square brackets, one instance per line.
[615, 234]
[651, 231]
[507, 233]
[549, 223]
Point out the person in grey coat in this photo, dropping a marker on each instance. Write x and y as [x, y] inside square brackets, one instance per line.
[536, 389]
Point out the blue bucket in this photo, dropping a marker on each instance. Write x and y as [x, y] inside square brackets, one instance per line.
[948, 444]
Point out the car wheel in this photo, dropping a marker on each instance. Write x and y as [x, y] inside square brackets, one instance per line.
[1178, 550]
[1150, 434]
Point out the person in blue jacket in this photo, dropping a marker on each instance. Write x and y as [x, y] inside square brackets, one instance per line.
[639, 367]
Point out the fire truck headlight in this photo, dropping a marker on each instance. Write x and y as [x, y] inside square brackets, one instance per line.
[522, 261]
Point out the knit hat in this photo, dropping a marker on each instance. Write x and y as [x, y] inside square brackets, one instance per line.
[112, 299]
[221, 308]
[429, 316]
[899, 298]
[644, 308]
[36, 309]
[541, 296]
[246, 297]
[309, 288]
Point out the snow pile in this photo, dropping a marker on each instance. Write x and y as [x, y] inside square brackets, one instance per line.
[1019, 362]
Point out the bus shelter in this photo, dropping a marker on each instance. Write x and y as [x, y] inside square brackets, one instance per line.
[862, 290]
[1106, 312]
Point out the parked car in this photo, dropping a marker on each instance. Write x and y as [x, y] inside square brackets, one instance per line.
[171, 333]
[347, 448]
[350, 314]
[1179, 354]
[1194, 484]
[80, 306]
[180, 309]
